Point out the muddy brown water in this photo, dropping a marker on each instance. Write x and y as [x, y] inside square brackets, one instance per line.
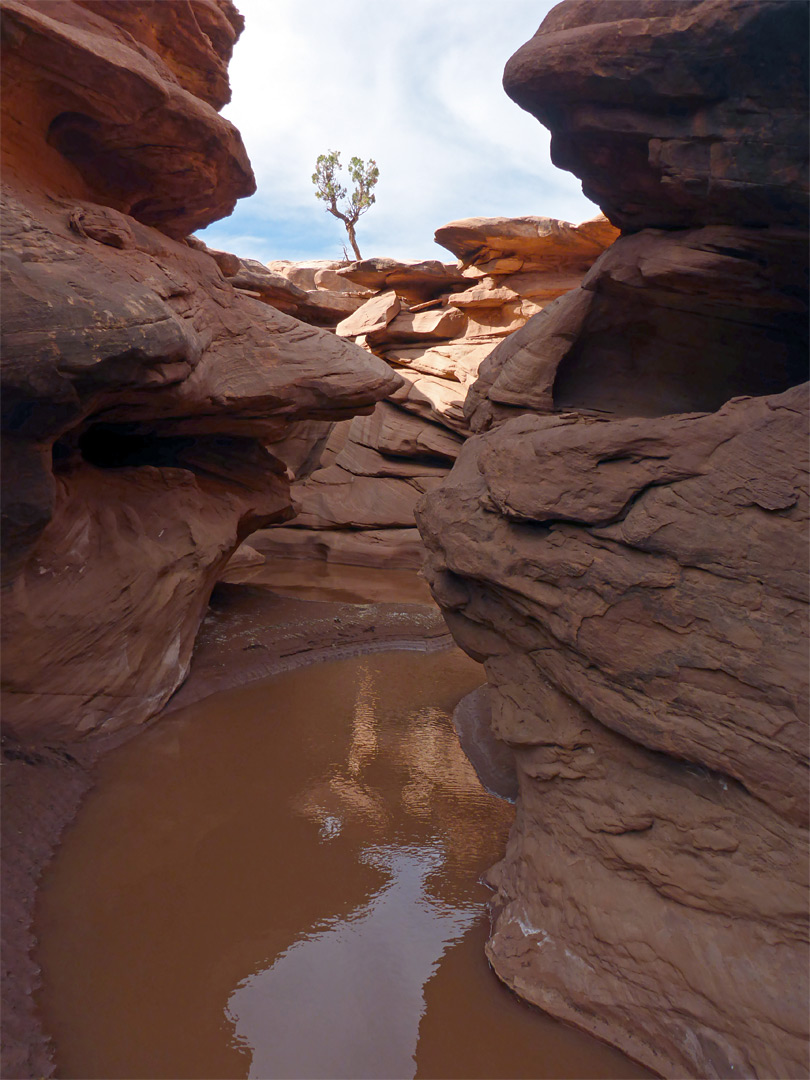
[283, 881]
[308, 579]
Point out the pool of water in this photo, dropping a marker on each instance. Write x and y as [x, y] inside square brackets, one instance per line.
[283, 881]
[313, 579]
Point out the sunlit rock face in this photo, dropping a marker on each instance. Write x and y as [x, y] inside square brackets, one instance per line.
[435, 323]
[148, 405]
[623, 544]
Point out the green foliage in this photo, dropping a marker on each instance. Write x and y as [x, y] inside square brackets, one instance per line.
[329, 189]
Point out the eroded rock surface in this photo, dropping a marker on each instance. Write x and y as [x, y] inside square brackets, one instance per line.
[663, 135]
[149, 406]
[435, 323]
[665, 321]
[624, 544]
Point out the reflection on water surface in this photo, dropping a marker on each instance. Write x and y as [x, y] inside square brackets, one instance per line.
[282, 881]
[319, 1006]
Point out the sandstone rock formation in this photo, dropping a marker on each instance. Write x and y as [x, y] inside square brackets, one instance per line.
[149, 406]
[312, 292]
[667, 136]
[624, 544]
[434, 323]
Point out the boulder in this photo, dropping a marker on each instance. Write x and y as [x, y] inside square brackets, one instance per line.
[334, 498]
[319, 275]
[324, 307]
[416, 280]
[508, 245]
[318, 305]
[541, 286]
[433, 399]
[392, 430]
[363, 461]
[301, 445]
[427, 326]
[427, 360]
[493, 759]
[373, 315]
[481, 296]
[488, 325]
[457, 361]
[412, 320]
[253, 277]
[242, 559]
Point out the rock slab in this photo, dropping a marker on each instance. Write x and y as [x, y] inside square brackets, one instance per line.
[436, 324]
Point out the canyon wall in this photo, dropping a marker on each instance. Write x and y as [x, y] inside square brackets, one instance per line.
[149, 406]
[623, 543]
[434, 323]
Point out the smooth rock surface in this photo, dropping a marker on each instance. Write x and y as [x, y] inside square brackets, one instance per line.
[375, 314]
[311, 292]
[393, 431]
[390, 549]
[337, 498]
[665, 321]
[417, 280]
[493, 760]
[537, 243]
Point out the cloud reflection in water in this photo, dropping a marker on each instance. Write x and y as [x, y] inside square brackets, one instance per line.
[346, 1000]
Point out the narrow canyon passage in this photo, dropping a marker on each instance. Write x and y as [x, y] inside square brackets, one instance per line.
[283, 881]
[239, 836]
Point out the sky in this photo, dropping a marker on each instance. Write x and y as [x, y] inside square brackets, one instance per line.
[414, 84]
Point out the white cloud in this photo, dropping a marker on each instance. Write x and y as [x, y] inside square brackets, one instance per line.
[415, 84]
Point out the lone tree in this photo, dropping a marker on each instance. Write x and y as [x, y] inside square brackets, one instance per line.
[327, 187]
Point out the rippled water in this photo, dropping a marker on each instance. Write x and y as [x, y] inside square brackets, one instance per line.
[282, 881]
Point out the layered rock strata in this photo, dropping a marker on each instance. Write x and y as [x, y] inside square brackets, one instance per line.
[149, 407]
[666, 136]
[623, 543]
[434, 323]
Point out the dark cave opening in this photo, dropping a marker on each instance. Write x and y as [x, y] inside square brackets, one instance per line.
[658, 361]
[120, 446]
[99, 152]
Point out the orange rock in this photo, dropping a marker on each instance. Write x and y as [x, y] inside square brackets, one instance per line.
[437, 323]
[140, 388]
[373, 316]
[512, 245]
[101, 116]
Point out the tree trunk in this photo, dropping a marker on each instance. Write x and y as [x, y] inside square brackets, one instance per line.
[353, 241]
